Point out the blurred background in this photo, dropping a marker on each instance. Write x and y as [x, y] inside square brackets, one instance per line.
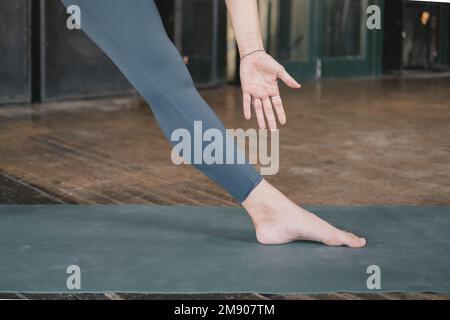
[41, 60]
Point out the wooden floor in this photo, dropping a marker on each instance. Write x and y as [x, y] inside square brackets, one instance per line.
[250, 296]
[348, 142]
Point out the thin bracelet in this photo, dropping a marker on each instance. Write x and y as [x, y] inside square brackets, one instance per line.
[251, 52]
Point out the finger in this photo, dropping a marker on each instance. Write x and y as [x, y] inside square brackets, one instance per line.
[257, 104]
[268, 111]
[277, 104]
[286, 78]
[247, 106]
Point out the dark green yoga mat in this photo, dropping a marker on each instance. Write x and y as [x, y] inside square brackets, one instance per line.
[202, 249]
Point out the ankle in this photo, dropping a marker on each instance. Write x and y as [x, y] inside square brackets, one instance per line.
[260, 213]
[263, 195]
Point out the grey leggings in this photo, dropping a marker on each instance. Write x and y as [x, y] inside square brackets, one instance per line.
[131, 33]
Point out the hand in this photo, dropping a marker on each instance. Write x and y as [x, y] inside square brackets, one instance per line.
[259, 79]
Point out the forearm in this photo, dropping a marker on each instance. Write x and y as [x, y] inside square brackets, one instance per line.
[245, 18]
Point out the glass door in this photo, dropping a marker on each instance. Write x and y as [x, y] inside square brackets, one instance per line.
[344, 45]
[425, 26]
[288, 31]
[321, 38]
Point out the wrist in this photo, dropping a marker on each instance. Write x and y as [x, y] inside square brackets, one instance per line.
[251, 52]
[248, 43]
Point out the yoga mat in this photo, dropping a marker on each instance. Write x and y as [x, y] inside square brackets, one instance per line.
[176, 249]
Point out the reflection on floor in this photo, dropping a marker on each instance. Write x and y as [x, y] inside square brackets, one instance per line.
[346, 142]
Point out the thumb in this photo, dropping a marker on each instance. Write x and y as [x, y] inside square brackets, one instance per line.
[286, 78]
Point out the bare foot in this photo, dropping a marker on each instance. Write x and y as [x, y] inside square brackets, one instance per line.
[278, 220]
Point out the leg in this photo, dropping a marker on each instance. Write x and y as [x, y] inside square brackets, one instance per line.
[132, 35]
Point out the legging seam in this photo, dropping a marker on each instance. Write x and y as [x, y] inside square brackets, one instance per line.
[152, 82]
